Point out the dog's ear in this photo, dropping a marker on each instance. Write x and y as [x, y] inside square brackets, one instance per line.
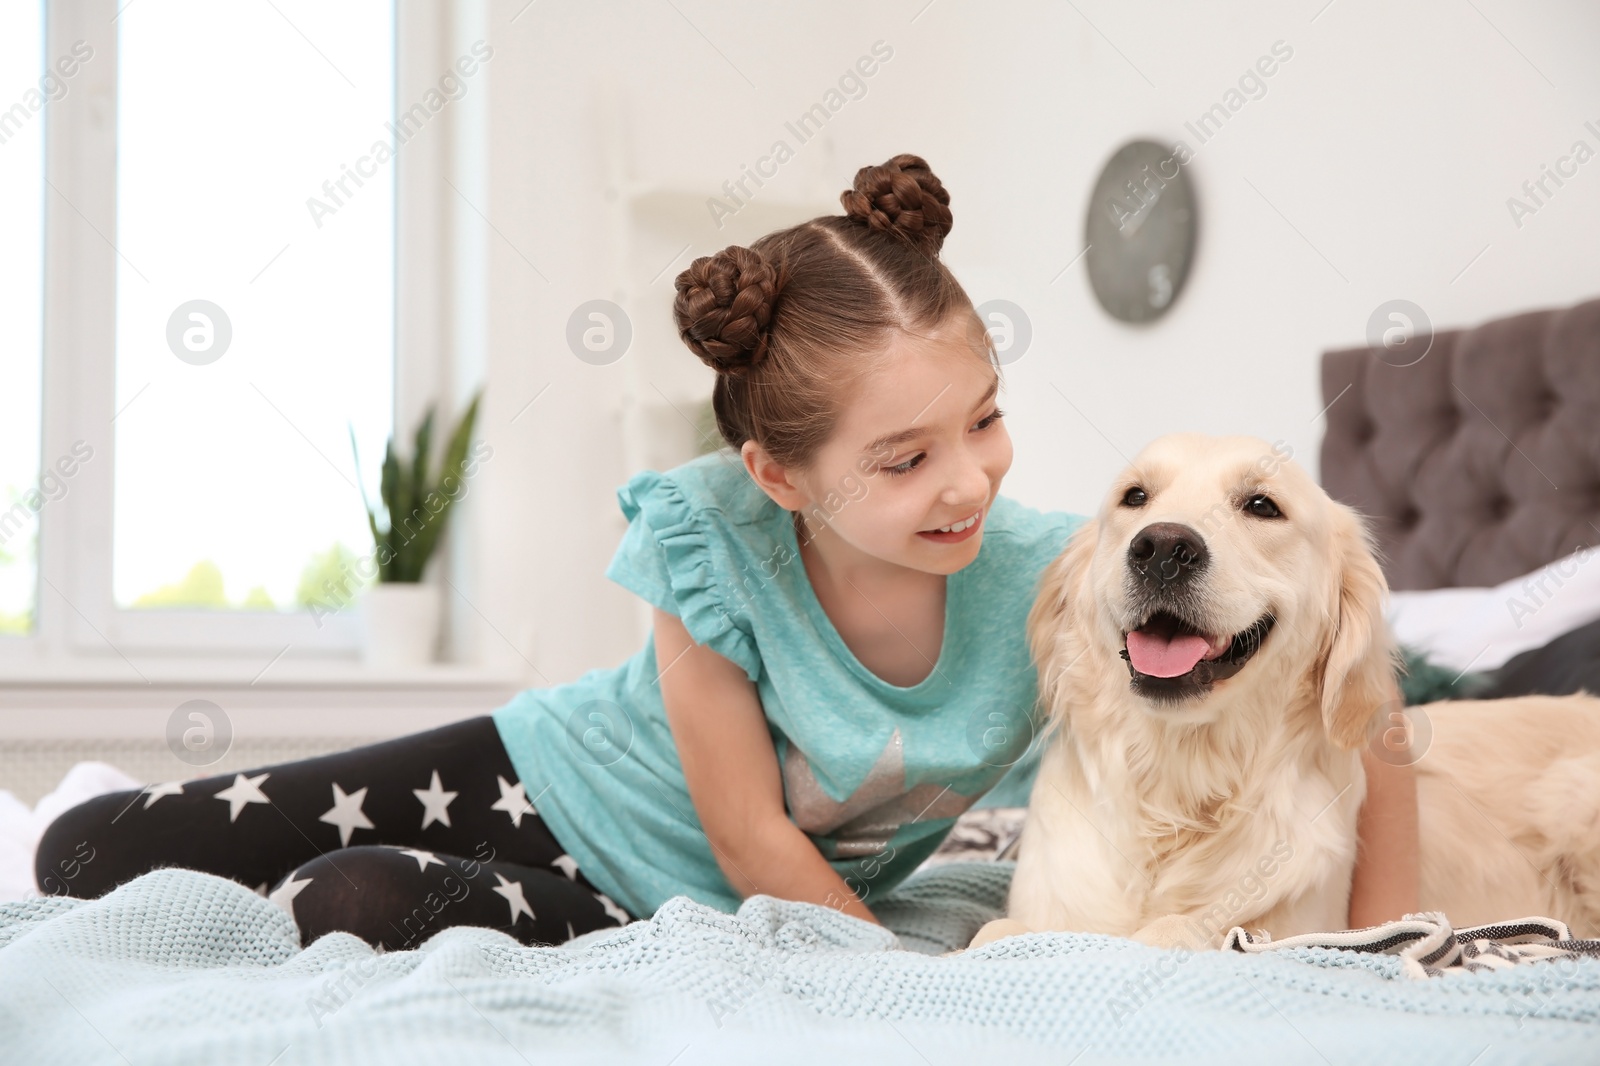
[1358, 658]
[1054, 635]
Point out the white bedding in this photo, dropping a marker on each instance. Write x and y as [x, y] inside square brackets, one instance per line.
[20, 828]
[1482, 628]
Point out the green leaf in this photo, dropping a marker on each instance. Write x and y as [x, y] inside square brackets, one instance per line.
[427, 538]
[414, 548]
[389, 482]
[419, 464]
[455, 452]
[361, 484]
[406, 536]
[454, 461]
[394, 501]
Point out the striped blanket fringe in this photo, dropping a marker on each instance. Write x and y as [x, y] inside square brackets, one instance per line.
[1428, 947]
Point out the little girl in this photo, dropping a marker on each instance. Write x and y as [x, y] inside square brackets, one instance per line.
[838, 666]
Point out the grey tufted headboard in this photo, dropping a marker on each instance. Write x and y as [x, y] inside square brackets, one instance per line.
[1479, 462]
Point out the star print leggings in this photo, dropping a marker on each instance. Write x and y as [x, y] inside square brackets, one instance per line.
[391, 841]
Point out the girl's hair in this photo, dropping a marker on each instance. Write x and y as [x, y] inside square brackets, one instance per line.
[792, 322]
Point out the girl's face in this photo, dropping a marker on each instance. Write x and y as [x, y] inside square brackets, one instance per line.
[919, 447]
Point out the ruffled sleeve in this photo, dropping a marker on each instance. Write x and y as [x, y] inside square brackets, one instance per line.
[672, 556]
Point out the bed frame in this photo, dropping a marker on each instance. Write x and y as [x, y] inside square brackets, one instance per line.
[1479, 461]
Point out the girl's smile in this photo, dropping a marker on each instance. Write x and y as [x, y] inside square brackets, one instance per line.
[956, 533]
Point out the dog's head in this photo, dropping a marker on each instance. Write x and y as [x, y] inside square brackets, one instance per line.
[1217, 577]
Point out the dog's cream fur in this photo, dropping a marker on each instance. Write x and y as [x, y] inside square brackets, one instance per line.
[1174, 822]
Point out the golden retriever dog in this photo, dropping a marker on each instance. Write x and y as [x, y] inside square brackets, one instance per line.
[1214, 657]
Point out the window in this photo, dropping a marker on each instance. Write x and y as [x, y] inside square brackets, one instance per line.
[24, 93]
[255, 297]
[202, 294]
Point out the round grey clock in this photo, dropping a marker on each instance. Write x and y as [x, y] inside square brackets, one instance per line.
[1140, 231]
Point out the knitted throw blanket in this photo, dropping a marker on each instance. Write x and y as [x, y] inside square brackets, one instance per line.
[179, 967]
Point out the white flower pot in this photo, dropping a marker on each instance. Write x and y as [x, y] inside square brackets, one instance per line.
[400, 623]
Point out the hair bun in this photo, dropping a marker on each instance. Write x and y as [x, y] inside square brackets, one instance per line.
[904, 197]
[723, 307]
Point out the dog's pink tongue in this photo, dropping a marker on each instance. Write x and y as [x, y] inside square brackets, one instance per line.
[1159, 657]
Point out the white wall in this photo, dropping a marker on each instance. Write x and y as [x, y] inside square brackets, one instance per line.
[1390, 141]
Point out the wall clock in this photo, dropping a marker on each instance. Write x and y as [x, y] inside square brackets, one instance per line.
[1140, 231]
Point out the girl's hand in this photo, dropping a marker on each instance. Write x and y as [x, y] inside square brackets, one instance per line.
[1385, 885]
[731, 768]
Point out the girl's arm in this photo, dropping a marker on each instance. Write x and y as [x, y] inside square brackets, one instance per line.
[731, 768]
[1385, 884]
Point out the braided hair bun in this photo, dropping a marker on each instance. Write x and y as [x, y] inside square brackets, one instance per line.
[903, 197]
[723, 307]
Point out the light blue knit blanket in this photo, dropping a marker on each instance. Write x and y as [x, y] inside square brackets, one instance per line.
[181, 967]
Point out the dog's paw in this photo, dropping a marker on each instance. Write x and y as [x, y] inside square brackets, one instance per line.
[1172, 931]
[998, 929]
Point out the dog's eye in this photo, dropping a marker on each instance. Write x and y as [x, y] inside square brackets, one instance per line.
[1261, 506]
[1134, 497]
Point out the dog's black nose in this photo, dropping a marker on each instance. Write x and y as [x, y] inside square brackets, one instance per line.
[1167, 551]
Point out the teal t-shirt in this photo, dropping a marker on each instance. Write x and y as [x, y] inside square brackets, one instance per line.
[875, 773]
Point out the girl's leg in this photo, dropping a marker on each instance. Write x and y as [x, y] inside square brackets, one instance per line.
[450, 790]
[395, 898]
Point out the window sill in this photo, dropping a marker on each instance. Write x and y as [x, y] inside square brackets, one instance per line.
[337, 698]
[234, 674]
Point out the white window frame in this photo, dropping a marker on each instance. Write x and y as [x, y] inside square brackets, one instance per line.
[79, 633]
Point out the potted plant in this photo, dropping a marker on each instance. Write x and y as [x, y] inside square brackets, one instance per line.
[399, 613]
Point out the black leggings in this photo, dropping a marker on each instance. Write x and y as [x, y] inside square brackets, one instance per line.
[391, 841]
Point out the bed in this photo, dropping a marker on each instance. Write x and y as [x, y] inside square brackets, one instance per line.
[1479, 464]
[1480, 461]
[1478, 467]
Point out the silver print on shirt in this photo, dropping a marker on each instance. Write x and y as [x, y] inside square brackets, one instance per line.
[862, 824]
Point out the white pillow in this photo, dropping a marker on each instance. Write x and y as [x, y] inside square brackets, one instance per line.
[1481, 628]
[21, 828]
